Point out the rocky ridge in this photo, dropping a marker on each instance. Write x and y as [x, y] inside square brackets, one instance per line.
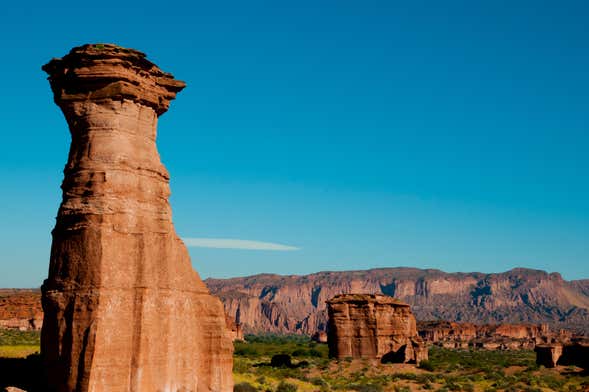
[296, 304]
[490, 336]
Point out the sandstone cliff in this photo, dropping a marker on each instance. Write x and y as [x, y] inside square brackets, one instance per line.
[490, 336]
[21, 309]
[296, 304]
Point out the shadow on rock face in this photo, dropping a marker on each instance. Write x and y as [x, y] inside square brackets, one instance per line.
[24, 373]
[395, 356]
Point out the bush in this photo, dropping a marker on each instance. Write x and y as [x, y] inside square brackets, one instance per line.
[427, 365]
[244, 387]
[246, 351]
[367, 388]
[319, 382]
[468, 387]
[286, 387]
[281, 360]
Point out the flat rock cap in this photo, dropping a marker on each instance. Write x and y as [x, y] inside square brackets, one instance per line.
[107, 71]
[367, 298]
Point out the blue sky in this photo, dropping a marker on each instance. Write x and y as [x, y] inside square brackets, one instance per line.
[450, 135]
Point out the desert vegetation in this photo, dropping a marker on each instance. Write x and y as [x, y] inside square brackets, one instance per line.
[446, 370]
[308, 368]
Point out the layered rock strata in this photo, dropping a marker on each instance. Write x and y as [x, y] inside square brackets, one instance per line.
[296, 304]
[124, 310]
[490, 336]
[373, 326]
[20, 309]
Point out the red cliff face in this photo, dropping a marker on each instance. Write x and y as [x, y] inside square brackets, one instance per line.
[124, 310]
[372, 326]
[296, 304]
[489, 336]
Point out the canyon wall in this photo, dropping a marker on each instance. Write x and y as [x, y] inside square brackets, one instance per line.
[490, 336]
[296, 304]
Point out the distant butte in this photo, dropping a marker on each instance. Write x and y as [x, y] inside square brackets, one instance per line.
[124, 310]
[373, 326]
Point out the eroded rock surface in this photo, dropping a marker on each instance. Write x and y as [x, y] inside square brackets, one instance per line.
[296, 304]
[373, 326]
[234, 329]
[124, 310]
[20, 309]
[490, 336]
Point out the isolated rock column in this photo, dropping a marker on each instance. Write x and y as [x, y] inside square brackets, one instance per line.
[373, 326]
[124, 310]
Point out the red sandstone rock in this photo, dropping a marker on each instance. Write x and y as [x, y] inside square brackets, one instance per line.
[124, 310]
[374, 327]
[20, 309]
[489, 336]
[296, 304]
[234, 329]
[13, 389]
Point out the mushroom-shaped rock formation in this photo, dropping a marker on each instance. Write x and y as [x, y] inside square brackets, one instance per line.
[124, 310]
[373, 326]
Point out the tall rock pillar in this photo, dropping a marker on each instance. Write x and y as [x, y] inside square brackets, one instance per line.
[124, 310]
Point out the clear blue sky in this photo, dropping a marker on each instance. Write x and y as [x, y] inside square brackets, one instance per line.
[450, 135]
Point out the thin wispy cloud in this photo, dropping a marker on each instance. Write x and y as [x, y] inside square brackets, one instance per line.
[231, 243]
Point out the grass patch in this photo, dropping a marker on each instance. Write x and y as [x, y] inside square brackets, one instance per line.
[446, 370]
[20, 351]
[12, 337]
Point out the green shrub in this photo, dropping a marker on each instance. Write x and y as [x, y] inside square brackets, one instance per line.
[318, 381]
[12, 337]
[286, 387]
[427, 365]
[244, 387]
[468, 387]
[367, 388]
[245, 350]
